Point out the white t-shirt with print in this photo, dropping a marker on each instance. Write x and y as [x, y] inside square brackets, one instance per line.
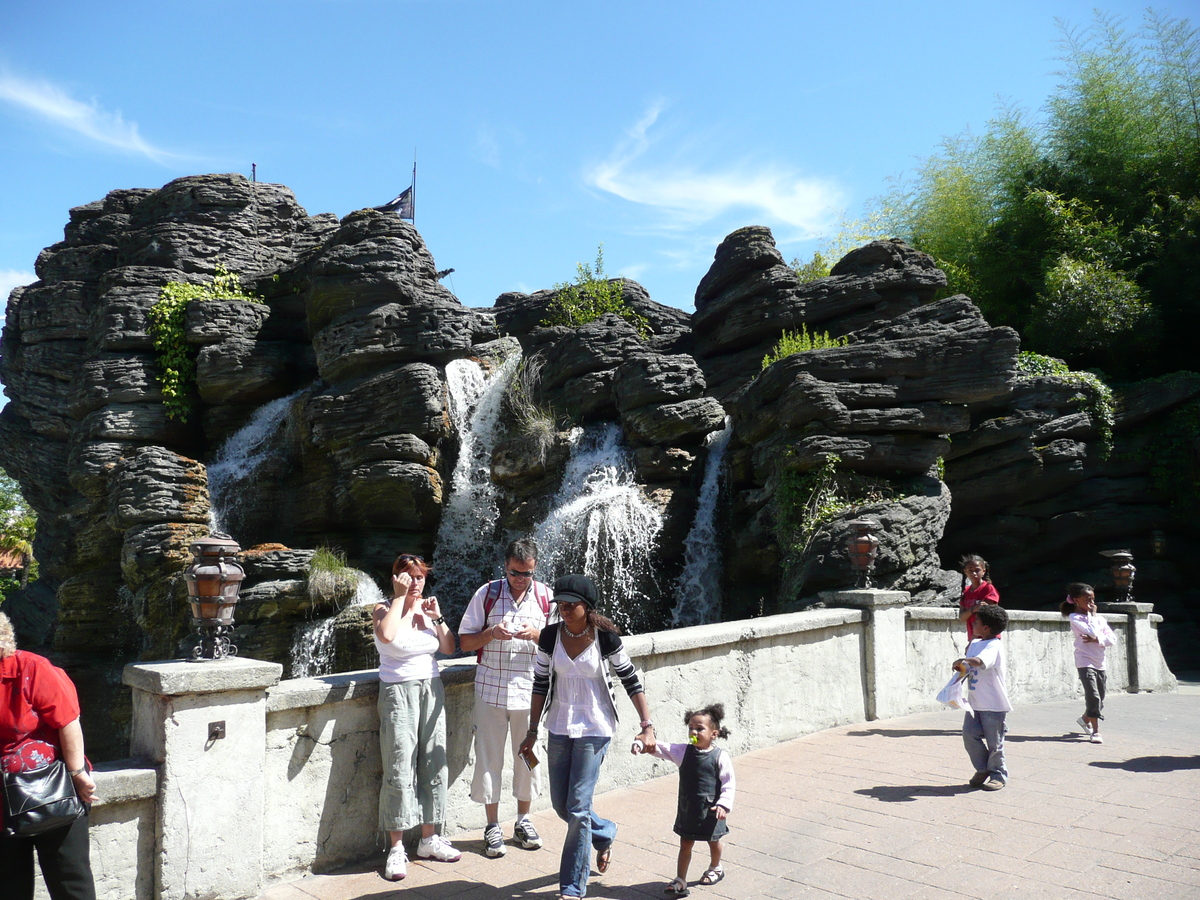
[987, 690]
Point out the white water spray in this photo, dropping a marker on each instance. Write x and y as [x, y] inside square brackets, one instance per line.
[466, 548]
[601, 524]
[239, 456]
[313, 645]
[699, 587]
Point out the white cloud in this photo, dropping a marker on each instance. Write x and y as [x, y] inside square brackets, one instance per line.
[53, 104]
[689, 195]
[9, 279]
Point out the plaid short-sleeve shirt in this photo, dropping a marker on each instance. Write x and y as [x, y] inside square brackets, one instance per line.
[504, 676]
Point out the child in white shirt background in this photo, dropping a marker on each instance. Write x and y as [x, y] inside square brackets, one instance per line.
[1092, 637]
[984, 725]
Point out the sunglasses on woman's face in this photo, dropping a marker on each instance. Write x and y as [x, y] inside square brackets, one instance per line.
[410, 557]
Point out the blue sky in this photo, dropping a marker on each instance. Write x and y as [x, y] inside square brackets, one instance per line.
[541, 128]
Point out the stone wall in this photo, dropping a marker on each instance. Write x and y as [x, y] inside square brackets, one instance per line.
[293, 785]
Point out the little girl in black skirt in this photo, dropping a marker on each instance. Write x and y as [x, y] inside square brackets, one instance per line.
[706, 788]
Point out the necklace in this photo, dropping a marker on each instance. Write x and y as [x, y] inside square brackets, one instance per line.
[570, 633]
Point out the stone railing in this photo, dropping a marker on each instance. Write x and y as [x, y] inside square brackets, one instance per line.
[249, 780]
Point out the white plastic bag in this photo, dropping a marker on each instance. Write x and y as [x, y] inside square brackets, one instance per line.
[956, 692]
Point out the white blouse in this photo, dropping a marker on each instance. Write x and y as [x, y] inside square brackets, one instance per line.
[581, 706]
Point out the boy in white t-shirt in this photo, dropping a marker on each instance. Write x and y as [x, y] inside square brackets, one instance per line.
[984, 726]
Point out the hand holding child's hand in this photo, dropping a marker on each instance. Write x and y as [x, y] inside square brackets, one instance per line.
[721, 811]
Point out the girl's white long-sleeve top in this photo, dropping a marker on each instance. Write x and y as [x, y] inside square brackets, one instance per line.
[1090, 654]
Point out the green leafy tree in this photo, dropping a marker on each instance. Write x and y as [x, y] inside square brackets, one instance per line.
[591, 296]
[1089, 219]
[18, 526]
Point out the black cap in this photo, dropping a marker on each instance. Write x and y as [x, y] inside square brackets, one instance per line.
[576, 587]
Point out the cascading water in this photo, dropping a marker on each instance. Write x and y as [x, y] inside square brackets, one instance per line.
[466, 548]
[239, 456]
[698, 589]
[601, 524]
[312, 647]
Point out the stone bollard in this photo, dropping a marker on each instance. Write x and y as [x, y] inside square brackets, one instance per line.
[886, 652]
[205, 725]
[1147, 669]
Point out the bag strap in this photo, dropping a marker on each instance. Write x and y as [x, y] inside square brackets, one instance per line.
[489, 603]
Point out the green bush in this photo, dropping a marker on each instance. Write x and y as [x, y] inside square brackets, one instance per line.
[591, 296]
[1099, 396]
[793, 342]
[177, 364]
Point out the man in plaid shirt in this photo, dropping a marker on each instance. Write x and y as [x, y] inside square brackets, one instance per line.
[502, 624]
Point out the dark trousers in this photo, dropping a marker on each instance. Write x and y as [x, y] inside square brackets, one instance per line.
[65, 858]
[1095, 685]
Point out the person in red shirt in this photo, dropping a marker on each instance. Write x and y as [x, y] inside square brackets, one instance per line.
[977, 588]
[39, 723]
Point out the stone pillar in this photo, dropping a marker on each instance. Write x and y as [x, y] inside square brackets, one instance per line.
[205, 724]
[1147, 671]
[886, 648]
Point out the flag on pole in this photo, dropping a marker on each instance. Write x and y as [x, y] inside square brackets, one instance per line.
[402, 205]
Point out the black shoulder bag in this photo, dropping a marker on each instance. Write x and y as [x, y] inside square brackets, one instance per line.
[40, 800]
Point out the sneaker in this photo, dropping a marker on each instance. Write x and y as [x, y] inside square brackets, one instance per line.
[1083, 724]
[978, 779]
[396, 866]
[1096, 739]
[493, 840]
[437, 847]
[526, 835]
[993, 784]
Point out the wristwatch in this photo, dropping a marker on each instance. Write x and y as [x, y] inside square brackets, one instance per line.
[78, 771]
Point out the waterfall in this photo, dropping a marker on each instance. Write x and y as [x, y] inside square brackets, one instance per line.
[313, 645]
[239, 456]
[312, 649]
[467, 548]
[699, 585]
[601, 524]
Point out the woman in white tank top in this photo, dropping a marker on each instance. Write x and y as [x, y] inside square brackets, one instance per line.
[409, 631]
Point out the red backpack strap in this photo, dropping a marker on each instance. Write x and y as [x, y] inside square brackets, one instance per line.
[489, 603]
[542, 592]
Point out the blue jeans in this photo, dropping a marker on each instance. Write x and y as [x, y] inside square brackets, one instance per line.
[574, 769]
[983, 736]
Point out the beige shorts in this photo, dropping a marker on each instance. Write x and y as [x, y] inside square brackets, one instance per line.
[493, 728]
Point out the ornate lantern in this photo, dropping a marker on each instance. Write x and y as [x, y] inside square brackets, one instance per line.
[861, 548]
[1158, 542]
[213, 581]
[1123, 571]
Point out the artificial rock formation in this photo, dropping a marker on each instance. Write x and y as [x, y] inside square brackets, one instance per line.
[349, 351]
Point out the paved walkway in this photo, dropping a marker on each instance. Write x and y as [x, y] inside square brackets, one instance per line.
[881, 810]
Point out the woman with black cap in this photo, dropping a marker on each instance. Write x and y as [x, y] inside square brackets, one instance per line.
[573, 688]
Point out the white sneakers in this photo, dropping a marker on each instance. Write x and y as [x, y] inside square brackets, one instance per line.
[437, 847]
[1083, 724]
[1096, 739]
[396, 866]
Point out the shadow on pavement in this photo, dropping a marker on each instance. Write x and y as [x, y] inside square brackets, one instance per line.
[904, 732]
[1152, 764]
[907, 793]
[1071, 737]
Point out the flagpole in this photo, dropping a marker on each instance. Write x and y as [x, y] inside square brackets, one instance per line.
[414, 188]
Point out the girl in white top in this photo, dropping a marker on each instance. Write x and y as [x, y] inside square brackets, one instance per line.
[1092, 637]
[409, 631]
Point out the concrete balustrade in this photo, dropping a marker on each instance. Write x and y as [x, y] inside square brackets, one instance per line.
[292, 785]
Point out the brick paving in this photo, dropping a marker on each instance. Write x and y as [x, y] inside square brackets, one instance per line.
[882, 810]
